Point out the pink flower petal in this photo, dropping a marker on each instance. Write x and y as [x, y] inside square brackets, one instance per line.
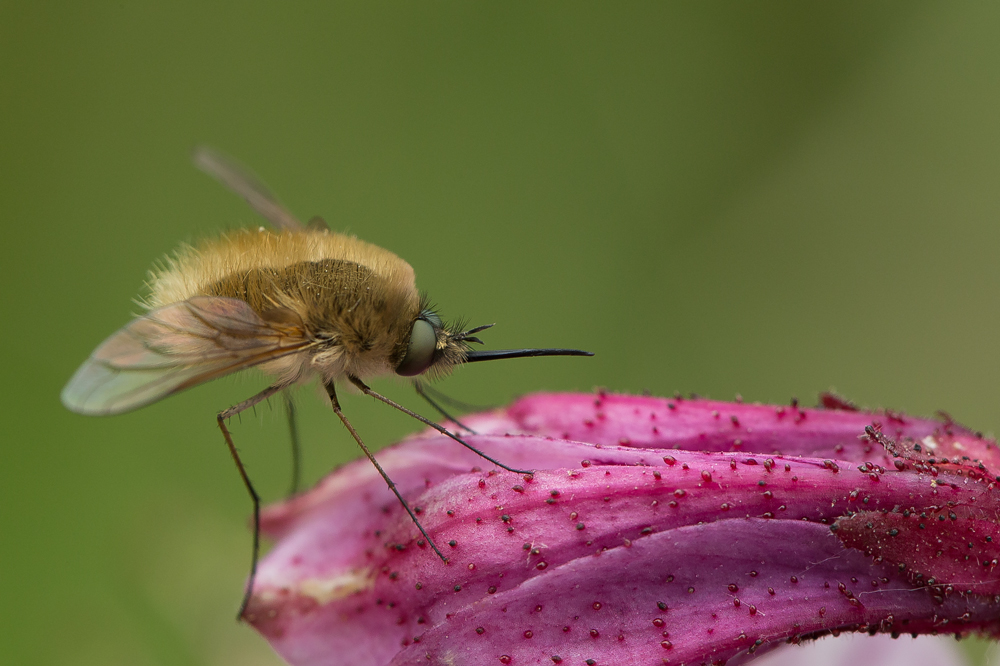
[622, 553]
[706, 425]
[854, 649]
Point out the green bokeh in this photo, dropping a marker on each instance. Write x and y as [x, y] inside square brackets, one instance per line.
[771, 199]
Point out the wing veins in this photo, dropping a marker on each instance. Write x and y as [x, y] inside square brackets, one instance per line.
[171, 372]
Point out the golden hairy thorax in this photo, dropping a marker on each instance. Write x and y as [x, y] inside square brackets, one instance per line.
[358, 297]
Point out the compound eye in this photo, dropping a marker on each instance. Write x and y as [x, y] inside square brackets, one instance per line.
[420, 353]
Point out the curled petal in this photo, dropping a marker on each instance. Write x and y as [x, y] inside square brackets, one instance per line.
[707, 425]
[637, 546]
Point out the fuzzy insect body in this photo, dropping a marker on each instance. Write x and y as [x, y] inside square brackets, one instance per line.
[297, 302]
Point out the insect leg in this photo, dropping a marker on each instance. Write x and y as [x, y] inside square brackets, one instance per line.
[441, 429]
[293, 432]
[221, 419]
[423, 393]
[332, 392]
[448, 400]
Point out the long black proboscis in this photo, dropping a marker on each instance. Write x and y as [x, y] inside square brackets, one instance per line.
[493, 354]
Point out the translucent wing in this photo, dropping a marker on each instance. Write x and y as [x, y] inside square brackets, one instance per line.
[176, 347]
[239, 179]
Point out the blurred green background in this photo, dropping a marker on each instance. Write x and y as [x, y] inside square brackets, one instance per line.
[770, 199]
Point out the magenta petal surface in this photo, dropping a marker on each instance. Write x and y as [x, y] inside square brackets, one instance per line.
[651, 531]
[707, 425]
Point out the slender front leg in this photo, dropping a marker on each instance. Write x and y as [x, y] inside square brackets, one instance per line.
[332, 392]
[221, 419]
[419, 386]
[441, 429]
[293, 432]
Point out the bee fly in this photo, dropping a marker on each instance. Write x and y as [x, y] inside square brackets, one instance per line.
[296, 302]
